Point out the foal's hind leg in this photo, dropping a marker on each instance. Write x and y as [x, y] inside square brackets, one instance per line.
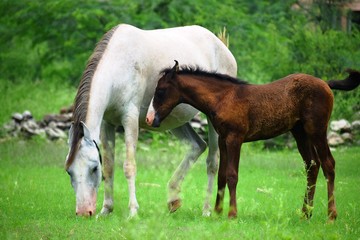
[198, 146]
[328, 167]
[108, 144]
[312, 166]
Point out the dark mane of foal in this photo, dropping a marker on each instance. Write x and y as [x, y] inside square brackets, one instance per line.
[197, 71]
[83, 94]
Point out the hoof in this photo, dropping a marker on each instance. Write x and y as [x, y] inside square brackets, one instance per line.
[332, 217]
[232, 215]
[174, 205]
[206, 213]
[105, 211]
[218, 210]
[307, 211]
[133, 213]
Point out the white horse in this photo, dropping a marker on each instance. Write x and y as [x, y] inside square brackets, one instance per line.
[116, 89]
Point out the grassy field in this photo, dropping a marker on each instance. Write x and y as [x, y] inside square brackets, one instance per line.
[37, 201]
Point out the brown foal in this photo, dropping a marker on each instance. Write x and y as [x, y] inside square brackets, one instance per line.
[241, 112]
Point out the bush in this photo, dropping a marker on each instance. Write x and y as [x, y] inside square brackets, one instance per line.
[51, 40]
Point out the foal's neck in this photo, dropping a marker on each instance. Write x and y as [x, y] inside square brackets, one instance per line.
[204, 93]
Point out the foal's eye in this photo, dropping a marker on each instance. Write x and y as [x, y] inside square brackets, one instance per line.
[160, 92]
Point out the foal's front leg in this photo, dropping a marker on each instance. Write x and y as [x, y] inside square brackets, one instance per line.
[233, 147]
[221, 176]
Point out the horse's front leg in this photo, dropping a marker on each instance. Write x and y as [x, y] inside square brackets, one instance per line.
[221, 176]
[198, 146]
[131, 128]
[108, 144]
[233, 146]
[212, 167]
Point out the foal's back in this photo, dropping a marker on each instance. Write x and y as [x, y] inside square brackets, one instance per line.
[275, 108]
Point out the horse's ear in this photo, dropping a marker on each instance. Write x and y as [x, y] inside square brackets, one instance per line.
[87, 135]
[71, 134]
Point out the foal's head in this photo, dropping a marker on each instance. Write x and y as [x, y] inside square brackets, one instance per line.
[83, 164]
[166, 97]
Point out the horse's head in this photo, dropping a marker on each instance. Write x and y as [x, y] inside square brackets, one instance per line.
[83, 164]
[166, 97]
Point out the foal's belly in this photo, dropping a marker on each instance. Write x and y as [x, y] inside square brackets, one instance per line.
[269, 129]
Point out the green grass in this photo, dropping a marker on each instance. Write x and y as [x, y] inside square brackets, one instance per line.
[37, 201]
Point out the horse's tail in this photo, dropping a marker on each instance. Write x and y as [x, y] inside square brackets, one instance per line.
[347, 84]
[223, 37]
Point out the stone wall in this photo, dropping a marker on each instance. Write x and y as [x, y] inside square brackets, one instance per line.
[56, 126]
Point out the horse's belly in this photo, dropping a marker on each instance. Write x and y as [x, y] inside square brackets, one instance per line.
[180, 115]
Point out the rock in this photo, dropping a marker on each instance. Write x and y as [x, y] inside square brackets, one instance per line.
[55, 133]
[347, 137]
[18, 117]
[58, 117]
[355, 125]
[334, 139]
[30, 128]
[27, 115]
[341, 125]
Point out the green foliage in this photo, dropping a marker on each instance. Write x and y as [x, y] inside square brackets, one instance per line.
[53, 39]
[50, 41]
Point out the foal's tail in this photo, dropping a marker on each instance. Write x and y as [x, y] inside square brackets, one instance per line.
[349, 83]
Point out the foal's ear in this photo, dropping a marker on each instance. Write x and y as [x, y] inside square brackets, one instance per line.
[176, 66]
[174, 70]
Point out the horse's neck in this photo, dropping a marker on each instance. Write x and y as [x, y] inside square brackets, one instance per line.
[98, 103]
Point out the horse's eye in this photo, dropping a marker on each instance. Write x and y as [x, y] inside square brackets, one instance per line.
[94, 169]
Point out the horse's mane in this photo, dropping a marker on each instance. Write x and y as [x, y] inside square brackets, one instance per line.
[83, 94]
[197, 71]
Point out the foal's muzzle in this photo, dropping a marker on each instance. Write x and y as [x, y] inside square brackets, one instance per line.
[156, 122]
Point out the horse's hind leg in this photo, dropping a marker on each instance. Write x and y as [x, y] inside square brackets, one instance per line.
[108, 145]
[212, 167]
[328, 167]
[312, 166]
[198, 146]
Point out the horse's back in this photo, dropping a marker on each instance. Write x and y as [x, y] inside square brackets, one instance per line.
[134, 58]
[190, 45]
